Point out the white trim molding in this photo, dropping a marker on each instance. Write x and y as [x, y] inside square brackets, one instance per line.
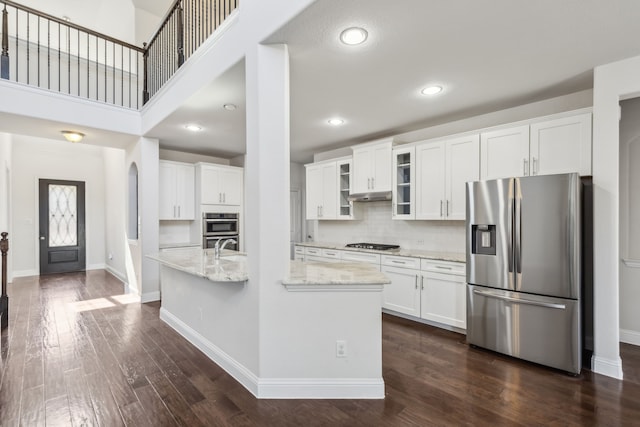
[629, 337]
[631, 263]
[278, 388]
[25, 273]
[118, 275]
[608, 367]
[150, 297]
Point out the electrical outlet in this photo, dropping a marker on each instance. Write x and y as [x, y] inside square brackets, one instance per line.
[110, 255]
[341, 348]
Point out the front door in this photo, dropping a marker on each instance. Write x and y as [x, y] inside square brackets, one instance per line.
[62, 226]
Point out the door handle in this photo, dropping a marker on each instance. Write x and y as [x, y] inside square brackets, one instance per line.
[519, 300]
[416, 281]
[179, 212]
[525, 167]
[447, 207]
[440, 208]
[373, 183]
[422, 283]
[224, 197]
[368, 183]
[42, 237]
[535, 166]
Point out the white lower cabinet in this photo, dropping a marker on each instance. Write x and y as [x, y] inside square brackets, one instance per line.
[443, 299]
[431, 290]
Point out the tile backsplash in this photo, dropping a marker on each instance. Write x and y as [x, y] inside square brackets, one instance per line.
[375, 225]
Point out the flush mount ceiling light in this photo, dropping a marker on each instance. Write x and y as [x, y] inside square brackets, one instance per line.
[353, 36]
[193, 127]
[230, 107]
[335, 122]
[431, 90]
[72, 136]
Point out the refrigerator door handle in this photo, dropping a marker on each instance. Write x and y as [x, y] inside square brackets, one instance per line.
[510, 228]
[519, 300]
[518, 229]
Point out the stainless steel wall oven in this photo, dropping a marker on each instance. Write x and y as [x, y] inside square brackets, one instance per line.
[220, 226]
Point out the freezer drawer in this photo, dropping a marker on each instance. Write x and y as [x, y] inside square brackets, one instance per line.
[543, 330]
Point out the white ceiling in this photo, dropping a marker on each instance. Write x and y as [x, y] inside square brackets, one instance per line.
[488, 54]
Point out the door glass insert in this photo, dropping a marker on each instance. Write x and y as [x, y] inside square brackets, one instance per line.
[345, 188]
[403, 187]
[63, 215]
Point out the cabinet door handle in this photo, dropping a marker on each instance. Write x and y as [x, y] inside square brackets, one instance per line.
[447, 207]
[373, 183]
[395, 261]
[535, 166]
[525, 167]
[224, 197]
[219, 197]
[179, 216]
[174, 211]
[443, 268]
[440, 208]
[416, 281]
[422, 283]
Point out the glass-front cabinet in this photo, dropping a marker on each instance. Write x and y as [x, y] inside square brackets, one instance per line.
[403, 183]
[345, 207]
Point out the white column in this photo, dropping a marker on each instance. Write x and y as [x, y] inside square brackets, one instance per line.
[612, 82]
[267, 177]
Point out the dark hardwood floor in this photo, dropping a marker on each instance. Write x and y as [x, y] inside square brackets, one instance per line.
[77, 352]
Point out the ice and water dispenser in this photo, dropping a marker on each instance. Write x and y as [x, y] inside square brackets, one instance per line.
[483, 239]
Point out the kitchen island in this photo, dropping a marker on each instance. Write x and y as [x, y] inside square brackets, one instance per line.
[317, 334]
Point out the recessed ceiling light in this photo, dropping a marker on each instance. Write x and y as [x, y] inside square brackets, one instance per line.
[230, 107]
[335, 122]
[193, 127]
[353, 36]
[431, 90]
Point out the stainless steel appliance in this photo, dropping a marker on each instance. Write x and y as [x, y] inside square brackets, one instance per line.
[220, 226]
[523, 268]
[374, 246]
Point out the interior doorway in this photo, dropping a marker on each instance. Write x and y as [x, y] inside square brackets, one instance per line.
[62, 226]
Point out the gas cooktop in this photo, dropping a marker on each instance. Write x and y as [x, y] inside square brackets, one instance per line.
[374, 246]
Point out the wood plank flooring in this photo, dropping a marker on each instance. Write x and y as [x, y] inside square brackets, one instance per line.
[77, 352]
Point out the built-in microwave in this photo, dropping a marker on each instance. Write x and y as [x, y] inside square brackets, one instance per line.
[220, 226]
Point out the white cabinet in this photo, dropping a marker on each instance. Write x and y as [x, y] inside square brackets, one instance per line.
[321, 186]
[372, 167]
[504, 153]
[442, 169]
[298, 253]
[560, 145]
[220, 184]
[403, 193]
[177, 191]
[328, 187]
[403, 293]
[321, 255]
[428, 289]
[443, 293]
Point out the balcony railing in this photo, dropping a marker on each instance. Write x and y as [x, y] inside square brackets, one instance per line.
[185, 27]
[48, 52]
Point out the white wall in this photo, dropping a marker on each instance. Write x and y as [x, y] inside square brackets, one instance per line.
[115, 210]
[114, 18]
[35, 158]
[612, 82]
[630, 221]
[179, 156]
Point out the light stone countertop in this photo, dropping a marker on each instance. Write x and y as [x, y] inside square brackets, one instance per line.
[232, 267]
[180, 245]
[415, 253]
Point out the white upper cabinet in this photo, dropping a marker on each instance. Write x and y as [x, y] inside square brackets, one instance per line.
[403, 194]
[561, 146]
[442, 169]
[322, 190]
[505, 153]
[345, 207]
[220, 184]
[463, 165]
[177, 191]
[372, 167]
[430, 180]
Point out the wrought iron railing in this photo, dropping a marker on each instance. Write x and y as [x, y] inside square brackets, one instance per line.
[45, 51]
[51, 53]
[185, 27]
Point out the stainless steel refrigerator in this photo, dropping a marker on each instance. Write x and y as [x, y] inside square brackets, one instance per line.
[523, 268]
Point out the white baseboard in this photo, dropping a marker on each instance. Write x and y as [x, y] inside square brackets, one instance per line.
[118, 275]
[321, 388]
[25, 273]
[150, 297]
[238, 371]
[609, 367]
[629, 337]
[279, 388]
[90, 267]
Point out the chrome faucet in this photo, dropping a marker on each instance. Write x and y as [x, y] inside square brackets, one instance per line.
[218, 248]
